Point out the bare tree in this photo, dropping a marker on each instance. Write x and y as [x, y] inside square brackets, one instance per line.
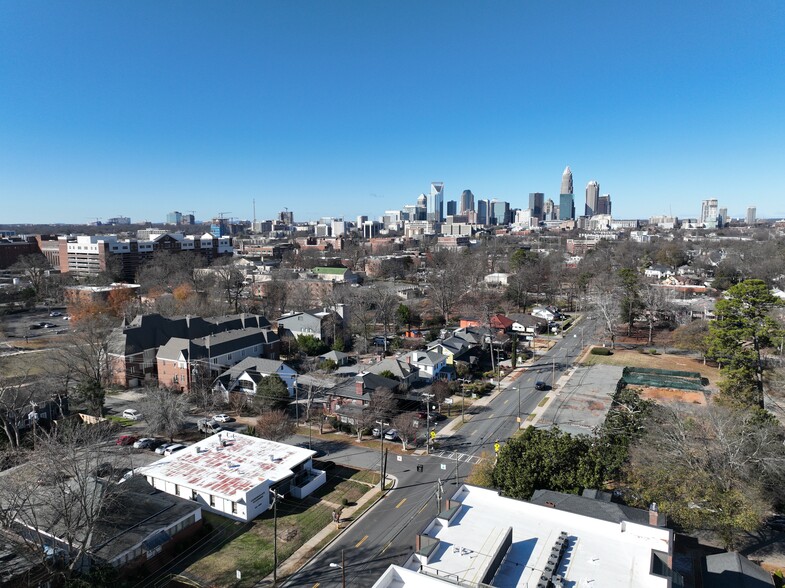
[446, 282]
[404, 423]
[164, 411]
[15, 403]
[61, 493]
[230, 281]
[275, 425]
[34, 268]
[607, 301]
[657, 306]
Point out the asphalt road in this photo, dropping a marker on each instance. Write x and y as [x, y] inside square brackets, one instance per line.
[386, 535]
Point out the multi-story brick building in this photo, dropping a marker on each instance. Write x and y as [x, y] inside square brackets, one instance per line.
[88, 255]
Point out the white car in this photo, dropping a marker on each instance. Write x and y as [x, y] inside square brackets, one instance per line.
[160, 450]
[55, 313]
[174, 448]
[144, 443]
[132, 414]
[223, 418]
[391, 435]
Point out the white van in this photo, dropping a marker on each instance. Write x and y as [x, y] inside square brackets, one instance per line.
[132, 414]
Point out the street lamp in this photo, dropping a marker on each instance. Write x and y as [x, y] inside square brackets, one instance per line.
[342, 566]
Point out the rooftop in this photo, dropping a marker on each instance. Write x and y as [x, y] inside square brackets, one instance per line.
[227, 470]
[507, 542]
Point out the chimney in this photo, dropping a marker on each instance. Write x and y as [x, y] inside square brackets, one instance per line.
[358, 386]
[654, 515]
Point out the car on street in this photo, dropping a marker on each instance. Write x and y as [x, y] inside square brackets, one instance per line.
[132, 414]
[55, 313]
[223, 418]
[540, 385]
[174, 448]
[161, 448]
[144, 443]
[126, 440]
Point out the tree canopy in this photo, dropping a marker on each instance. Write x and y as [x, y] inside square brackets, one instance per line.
[271, 394]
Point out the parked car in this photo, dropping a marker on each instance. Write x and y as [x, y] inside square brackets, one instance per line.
[391, 435]
[161, 448]
[132, 414]
[539, 385]
[155, 444]
[376, 432]
[209, 426]
[55, 313]
[126, 440]
[174, 448]
[223, 418]
[144, 443]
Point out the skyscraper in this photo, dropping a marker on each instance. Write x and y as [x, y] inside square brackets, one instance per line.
[549, 210]
[566, 181]
[422, 208]
[499, 212]
[709, 212]
[467, 201]
[592, 198]
[566, 207]
[604, 204]
[536, 204]
[482, 212]
[174, 218]
[751, 215]
[452, 208]
[436, 202]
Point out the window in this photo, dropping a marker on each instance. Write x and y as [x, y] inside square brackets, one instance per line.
[193, 495]
[234, 508]
[176, 490]
[212, 500]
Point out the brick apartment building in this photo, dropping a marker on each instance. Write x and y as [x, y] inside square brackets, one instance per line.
[88, 255]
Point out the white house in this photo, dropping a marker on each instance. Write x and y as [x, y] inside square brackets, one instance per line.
[497, 279]
[429, 363]
[246, 375]
[233, 474]
[549, 314]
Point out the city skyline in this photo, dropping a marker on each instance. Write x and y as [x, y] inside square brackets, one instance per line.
[138, 110]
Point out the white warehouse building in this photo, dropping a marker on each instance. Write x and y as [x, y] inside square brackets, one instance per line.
[232, 474]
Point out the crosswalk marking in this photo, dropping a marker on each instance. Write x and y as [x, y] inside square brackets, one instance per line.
[461, 457]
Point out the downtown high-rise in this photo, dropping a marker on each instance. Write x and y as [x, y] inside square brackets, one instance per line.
[592, 198]
[436, 202]
[566, 196]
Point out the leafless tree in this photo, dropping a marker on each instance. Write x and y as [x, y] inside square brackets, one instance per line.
[657, 306]
[229, 280]
[15, 403]
[61, 492]
[275, 425]
[34, 268]
[446, 281]
[607, 302]
[404, 423]
[164, 411]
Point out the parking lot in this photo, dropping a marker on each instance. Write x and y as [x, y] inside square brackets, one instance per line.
[30, 325]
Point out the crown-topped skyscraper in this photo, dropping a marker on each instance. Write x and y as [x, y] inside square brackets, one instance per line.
[566, 181]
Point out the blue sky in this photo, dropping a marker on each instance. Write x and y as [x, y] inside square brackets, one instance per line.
[354, 107]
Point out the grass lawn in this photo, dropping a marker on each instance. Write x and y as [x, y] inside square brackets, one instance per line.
[251, 552]
[120, 420]
[24, 364]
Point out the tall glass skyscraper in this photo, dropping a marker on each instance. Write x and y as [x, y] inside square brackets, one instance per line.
[566, 181]
[536, 203]
[467, 201]
[436, 202]
[592, 198]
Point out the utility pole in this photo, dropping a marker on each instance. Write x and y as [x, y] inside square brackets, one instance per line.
[381, 424]
[276, 497]
[439, 494]
[427, 421]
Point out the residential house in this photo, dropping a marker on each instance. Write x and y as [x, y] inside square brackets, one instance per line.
[549, 313]
[234, 475]
[323, 324]
[497, 279]
[453, 348]
[245, 376]
[527, 324]
[658, 271]
[351, 396]
[338, 357]
[405, 373]
[430, 365]
[133, 346]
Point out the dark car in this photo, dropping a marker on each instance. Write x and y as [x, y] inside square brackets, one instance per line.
[539, 385]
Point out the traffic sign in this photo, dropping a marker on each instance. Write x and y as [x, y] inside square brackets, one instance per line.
[399, 457]
[433, 434]
[444, 466]
[497, 446]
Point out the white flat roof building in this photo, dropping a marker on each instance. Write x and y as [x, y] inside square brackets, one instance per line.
[485, 539]
[232, 474]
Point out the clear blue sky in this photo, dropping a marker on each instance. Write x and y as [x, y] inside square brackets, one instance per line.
[344, 108]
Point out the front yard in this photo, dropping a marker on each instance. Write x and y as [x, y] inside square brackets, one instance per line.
[251, 551]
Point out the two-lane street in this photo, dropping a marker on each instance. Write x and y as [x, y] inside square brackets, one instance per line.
[386, 534]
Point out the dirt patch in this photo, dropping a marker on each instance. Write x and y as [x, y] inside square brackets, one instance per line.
[669, 395]
[633, 358]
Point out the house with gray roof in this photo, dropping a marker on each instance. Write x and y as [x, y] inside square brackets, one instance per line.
[321, 323]
[404, 372]
[181, 360]
[134, 345]
[431, 365]
[246, 376]
[733, 570]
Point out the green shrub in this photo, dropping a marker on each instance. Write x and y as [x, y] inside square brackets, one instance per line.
[601, 351]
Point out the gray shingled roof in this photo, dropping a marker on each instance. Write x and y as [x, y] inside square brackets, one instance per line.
[733, 570]
[598, 508]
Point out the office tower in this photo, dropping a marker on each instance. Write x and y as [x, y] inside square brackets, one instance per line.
[592, 198]
[566, 207]
[723, 217]
[751, 215]
[549, 210]
[604, 204]
[482, 212]
[436, 202]
[360, 220]
[499, 211]
[338, 227]
[467, 201]
[536, 204]
[566, 181]
[452, 208]
[174, 218]
[422, 208]
[709, 211]
[187, 219]
[286, 217]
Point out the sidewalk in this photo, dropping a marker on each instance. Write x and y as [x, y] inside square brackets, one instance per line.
[323, 538]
